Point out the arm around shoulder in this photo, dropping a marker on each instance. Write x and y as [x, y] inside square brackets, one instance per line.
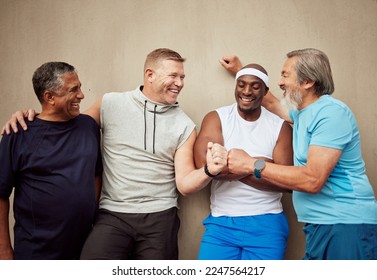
[95, 111]
[272, 104]
[18, 117]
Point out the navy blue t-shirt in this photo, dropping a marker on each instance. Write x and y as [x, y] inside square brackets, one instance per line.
[52, 167]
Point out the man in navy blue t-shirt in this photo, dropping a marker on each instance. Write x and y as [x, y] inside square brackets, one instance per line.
[55, 170]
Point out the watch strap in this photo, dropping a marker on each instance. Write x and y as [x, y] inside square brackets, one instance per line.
[206, 171]
[257, 173]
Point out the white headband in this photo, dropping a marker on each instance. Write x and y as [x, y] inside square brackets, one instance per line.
[254, 72]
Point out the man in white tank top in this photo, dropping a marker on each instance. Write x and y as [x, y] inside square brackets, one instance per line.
[246, 219]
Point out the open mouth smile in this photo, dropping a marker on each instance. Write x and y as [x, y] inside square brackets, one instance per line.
[249, 99]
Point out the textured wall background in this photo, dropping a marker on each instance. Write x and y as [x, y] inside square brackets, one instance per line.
[107, 41]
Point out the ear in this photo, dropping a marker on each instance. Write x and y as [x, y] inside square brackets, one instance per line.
[48, 97]
[308, 84]
[267, 89]
[149, 75]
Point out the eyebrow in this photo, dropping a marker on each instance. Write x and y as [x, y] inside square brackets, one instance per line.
[76, 87]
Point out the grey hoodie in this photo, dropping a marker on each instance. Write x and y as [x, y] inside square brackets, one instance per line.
[140, 138]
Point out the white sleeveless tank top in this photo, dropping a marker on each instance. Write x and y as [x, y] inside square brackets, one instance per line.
[258, 138]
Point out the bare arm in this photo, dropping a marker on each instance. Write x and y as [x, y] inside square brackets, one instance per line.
[309, 178]
[190, 180]
[6, 250]
[211, 131]
[231, 63]
[272, 104]
[282, 154]
[95, 111]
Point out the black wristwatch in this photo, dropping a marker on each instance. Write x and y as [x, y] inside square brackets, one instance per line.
[259, 165]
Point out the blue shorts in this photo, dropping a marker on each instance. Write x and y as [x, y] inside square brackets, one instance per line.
[261, 237]
[341, 242]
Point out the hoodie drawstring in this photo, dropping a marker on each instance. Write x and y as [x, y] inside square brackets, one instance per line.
[154, 126]
[145, 126]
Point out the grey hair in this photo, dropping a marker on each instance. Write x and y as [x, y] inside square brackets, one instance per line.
[48, 77]
[314, 65]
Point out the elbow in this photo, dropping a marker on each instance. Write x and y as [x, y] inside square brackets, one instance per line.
[313, 190]
[183, 193]
[313, 186]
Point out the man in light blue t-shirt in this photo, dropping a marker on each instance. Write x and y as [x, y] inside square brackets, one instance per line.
[331, 192]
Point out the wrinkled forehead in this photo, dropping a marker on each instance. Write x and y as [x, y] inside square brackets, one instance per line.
[289, 66]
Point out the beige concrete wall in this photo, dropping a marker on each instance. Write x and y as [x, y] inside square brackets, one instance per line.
[107, 41]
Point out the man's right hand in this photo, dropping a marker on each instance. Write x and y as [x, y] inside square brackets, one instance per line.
[18, 117]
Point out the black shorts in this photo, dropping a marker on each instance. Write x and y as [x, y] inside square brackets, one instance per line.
[124, 236]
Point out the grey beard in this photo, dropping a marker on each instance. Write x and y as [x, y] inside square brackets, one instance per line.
[290, 106]
[292, 102]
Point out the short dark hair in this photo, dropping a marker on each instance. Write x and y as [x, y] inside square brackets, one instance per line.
[48, 77]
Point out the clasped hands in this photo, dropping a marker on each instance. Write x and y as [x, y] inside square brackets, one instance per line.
[237, 161]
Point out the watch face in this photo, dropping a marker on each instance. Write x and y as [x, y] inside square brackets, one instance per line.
[259, 164]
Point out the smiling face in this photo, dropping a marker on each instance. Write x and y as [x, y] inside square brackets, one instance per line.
[167, 80]
[289, 84]
[249, 93]
[66, 100]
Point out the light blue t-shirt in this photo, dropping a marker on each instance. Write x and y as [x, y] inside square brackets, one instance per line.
[347, 196]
